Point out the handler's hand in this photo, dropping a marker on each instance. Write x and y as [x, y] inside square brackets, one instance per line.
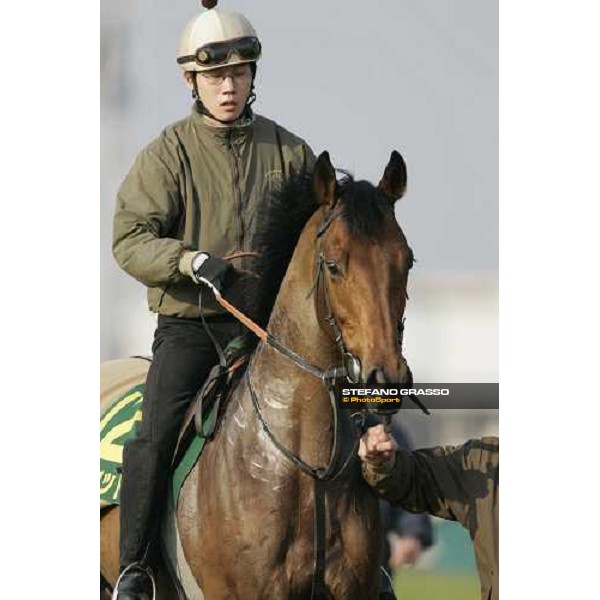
[377, 446]
[405, 551]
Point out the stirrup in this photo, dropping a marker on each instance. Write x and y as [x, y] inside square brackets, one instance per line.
[141, 567]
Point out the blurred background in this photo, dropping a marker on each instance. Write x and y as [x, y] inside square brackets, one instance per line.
[357, 79]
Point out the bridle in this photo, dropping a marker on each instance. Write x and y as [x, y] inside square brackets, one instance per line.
[350, 369]
[350, 363]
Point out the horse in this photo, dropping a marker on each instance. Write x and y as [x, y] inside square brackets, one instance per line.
[276, 507]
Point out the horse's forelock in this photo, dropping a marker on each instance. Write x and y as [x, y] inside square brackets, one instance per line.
[364, 208]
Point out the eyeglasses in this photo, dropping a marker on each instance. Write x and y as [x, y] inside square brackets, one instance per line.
[218, 76]
[247, 48]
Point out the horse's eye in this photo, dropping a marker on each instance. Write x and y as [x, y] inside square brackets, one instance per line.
[333, 268]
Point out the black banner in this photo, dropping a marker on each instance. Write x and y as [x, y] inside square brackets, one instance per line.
[394, 396]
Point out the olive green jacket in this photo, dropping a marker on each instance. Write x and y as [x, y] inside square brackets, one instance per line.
[197, 187]
[459, 483]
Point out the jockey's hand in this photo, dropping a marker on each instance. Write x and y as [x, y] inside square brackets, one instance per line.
[210, 270]
[377, 446]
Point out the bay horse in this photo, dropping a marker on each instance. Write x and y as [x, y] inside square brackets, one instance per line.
[334, 266]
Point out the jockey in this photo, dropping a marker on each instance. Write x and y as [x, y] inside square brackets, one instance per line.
[190, 200]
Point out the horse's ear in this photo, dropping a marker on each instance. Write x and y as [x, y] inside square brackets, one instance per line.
[393, 182]
[324, 180]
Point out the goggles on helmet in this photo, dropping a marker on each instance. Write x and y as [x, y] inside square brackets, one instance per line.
[218, 53]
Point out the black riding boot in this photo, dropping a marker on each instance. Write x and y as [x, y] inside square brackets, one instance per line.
[145, 473]
[182, 357]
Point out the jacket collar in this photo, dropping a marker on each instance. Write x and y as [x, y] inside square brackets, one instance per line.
[237, 133]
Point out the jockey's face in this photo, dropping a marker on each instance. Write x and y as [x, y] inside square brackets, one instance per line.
[224, 91]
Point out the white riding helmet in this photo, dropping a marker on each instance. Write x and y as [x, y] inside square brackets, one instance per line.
[216, 38]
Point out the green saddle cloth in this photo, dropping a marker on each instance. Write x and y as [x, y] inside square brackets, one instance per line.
[118, 424]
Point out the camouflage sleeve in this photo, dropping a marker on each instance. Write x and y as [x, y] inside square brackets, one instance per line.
[441, 481]
[146, 220]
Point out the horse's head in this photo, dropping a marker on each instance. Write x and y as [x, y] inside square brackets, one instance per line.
[363, 260]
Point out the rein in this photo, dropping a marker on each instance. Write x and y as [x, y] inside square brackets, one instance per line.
[351, 366]
[328, 377]
[351, 370]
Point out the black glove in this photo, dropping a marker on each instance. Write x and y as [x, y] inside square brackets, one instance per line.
[216, 271]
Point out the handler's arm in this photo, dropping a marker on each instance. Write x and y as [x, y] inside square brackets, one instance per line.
[147, 219]
[442, 481]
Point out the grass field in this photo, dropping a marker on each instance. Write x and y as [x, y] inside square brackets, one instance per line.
[424, 585]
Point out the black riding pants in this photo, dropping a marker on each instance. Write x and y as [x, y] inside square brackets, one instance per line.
[183, 355]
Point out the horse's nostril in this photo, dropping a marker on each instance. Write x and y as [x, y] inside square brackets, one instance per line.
[377, 375]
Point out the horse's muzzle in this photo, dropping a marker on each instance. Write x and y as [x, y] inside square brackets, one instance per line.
[378, 375]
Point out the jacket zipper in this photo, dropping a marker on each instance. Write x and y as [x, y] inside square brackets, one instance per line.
[237, 194]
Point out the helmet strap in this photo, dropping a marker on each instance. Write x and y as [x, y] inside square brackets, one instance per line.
[251, 96]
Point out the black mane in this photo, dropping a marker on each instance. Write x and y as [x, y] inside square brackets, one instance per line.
[282, 217]
[280, 221]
